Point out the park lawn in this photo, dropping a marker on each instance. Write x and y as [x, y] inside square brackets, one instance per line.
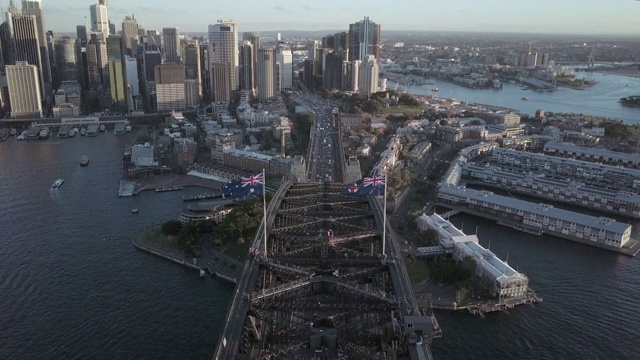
[238, 252]
[418, 272]
[403, 109]
[154, 237]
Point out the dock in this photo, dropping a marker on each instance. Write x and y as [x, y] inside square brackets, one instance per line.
[200, 197]
[481, 308]
[169, 188]
[126, 188]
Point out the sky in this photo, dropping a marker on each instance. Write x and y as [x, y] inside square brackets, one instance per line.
[529, 16]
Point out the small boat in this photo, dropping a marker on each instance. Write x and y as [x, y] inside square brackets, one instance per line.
[435, 89]
[83, 131]
[525, 99]
[56, 184]
[84, 161]
[202, 273]
[135, 211]
[102, 128]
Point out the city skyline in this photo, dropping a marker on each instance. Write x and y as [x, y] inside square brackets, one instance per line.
[544, 16]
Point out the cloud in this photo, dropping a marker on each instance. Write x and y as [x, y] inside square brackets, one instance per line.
[315, 8]
[278, 8]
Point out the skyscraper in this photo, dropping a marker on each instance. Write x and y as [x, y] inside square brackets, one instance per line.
[247, 61]
[129, 33]
[170, 94]
[223, 48]
[26, 47]
[363, 40]
[34, 7]
[192, 72]
[285, 66]
[171, 45]
[116, 71]
[368, 75]
[266, 73]
[100, 18]
[23, 80]
[81, 33]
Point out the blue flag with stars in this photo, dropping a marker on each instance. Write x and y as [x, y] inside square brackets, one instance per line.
[245, 186]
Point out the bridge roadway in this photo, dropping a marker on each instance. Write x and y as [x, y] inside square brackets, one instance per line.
[404, 297]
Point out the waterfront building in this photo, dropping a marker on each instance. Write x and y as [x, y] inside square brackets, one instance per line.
[34, 8]
[541, 218]
[171, 45]
[248, 160]
[72, 90]
[266, 73]
[100, 19]
[23, 82]
[363, 40]
[525, 142]
[561, 190]
[170, 87]
[185, 151]
[591, 154]
[605, 176]
[223, 49]
[506, 282]
[142, 155]
[210, 210]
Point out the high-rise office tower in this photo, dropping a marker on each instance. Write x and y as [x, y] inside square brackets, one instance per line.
[368, 75]
[220, 90]
[23, 81]
[192, 71]
[93, 80]
[99, 19]
[81, 33]
[34, 7]
[170, 94]
[223, 48]
[102, 59]
[66, 59]
[116, 71]
[151, 60]
[337, 41]
[363, 40]
[153, 41]
[254, 39]
[247, 61]
[332, 75]
[23, 30]
[266, 73]
[171, 45]
[204, 70]
[285, 66]
[129, 34]
[134, 101]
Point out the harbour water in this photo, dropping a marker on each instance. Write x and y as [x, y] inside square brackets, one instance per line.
[601, 99]
[71, 283]
[73, 286]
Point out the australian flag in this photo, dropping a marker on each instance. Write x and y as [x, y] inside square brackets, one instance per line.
[369, 186]
[245, 186]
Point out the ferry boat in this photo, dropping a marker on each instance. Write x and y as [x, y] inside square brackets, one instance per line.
[134, 211]
[56, 184]
[84, 161]
[44, 133]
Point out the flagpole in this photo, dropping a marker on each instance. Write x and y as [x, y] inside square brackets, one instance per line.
[264, 210]
[384, 219]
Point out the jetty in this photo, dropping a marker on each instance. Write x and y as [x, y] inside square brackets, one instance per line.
[199, 197]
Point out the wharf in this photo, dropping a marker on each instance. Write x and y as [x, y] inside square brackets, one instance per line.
[169, 188]
[483, 307]
[176, 182]
[126, 188]
[200, 197]
[631, 248]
